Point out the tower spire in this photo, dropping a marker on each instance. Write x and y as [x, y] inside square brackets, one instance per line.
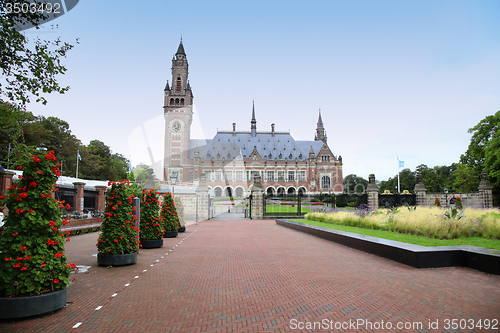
[320, 130]
[253, 122]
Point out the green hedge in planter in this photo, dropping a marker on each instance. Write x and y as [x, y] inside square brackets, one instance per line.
[32, 259]
[168, 214]
[119, 234]
[179, 208]
[151, 228]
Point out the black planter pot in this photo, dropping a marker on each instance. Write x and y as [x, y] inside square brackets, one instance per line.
[116, 259]
[182, 229]
[20, 307]
[151, 243]
[170, 234]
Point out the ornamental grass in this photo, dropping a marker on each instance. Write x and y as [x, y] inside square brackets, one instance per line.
[31, 243]
[433, 222]
[119, 234]
[168, 215]
[151, 228]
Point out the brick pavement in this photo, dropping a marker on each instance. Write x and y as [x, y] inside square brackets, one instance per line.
[256, 276]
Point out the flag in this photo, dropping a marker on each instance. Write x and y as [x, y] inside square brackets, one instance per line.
[129, 167]
[79, 157]
[401, 164]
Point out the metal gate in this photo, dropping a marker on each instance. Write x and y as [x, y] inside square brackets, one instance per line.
[394, 200]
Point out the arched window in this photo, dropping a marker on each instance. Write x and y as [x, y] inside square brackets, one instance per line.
[176, 101]
[239, 192]
[229, 192]
[218, 192]
[325, 182]
[172, 101]
[182, 101]
[178, 84]
[291, 191]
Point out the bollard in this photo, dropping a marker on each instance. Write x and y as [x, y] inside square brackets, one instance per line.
[136, 202]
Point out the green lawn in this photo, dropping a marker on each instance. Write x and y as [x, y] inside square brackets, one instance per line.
[419, 240]
[287, 209]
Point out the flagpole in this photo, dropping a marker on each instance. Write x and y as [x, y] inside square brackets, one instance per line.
[77, 154]
[398, 176]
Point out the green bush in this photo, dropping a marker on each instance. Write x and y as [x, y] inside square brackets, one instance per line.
[151, 228]
[168, 215]
[119, 234]
[32, 259]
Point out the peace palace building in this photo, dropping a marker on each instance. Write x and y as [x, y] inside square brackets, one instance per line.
[232, 158]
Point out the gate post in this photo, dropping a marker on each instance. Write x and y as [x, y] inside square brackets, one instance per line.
[420, 192]
[257, 199]
[485, 191]
[203, 206]
[372, 191]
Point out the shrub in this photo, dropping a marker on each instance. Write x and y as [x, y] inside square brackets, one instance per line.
[168, 215]
[179, 208]
[118, 230]
[437, 202]
[32, 246]
[151, 228]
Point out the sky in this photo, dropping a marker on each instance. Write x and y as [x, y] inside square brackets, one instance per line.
[393, 79]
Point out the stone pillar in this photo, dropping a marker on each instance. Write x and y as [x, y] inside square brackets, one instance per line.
[78, 197]
[5, 183]
[372, 191]
[257, 199]
[100, 199]
[420, 192]
[203, 200]
[485, 191]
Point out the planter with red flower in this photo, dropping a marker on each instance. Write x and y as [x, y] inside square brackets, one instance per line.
[151, 230]
[179, 208]
[168, 216]
[33, 269]
[118, 242]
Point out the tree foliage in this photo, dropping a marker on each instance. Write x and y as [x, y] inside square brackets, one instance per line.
[353, 183]
[29, 68]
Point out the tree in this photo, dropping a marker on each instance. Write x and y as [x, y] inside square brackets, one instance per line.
[482, 133]
[28, 69]
[466, 179]
[353, 183]
[483, 151]
[407, 182]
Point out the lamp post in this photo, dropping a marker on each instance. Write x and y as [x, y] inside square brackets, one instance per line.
[446, 192]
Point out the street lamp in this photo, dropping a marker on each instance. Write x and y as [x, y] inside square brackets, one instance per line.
[446, 192]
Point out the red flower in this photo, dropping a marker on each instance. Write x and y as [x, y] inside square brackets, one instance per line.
[116, 240]
[23, 248]
[38, 172]
[33, 184]
[2, 197]
[54, 228]
[56, 280]
[52, 223]
[68, 206]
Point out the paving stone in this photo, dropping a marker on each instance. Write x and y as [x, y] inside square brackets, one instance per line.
[256, 276]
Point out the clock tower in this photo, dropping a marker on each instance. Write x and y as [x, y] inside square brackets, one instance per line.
[178, 113]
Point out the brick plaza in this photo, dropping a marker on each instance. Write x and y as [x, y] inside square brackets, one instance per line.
[256, 276]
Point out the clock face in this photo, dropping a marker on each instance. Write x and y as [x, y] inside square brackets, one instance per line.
[176, 127]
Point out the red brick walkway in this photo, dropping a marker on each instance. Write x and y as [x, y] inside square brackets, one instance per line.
[256, 276]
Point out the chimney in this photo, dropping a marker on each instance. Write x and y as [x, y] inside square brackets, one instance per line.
[234, 129]
[272, 129]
